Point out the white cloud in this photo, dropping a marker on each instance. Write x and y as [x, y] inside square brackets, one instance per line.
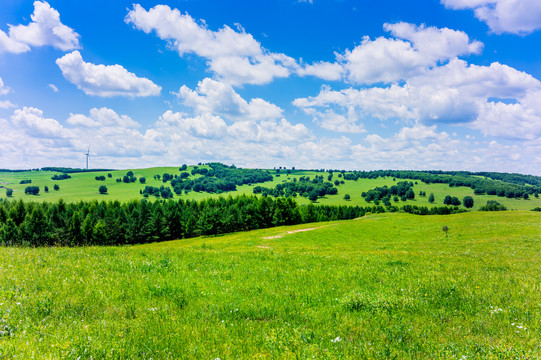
[323, 70]
[519, 17]
[269, 131]
[104, 81]
[412, 51]
[3, 88]
[5, 104]
[512, 121]
[44, 29]
[35, 124]
[234, 56]
[103, 117]
[53, 88]
[204, 126]
[220, 98]
[455, 92]
[9, 45]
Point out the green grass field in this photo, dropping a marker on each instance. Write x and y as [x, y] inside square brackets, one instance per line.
[383, 286]
[83, 186]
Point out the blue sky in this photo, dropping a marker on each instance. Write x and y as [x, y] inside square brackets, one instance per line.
[349, 84]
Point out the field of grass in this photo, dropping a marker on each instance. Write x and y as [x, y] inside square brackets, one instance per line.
[83, 186]
[383, 286]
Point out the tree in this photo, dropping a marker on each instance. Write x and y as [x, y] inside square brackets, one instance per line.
[312, 196]
[347, 197]
[445, 229]
[46, 188]
[468, 202]
[9, 192]
[447, 200]
[103, 189]
[455, 201]
[410, 194]
[56, 187]
[142, 180]
[431, 198]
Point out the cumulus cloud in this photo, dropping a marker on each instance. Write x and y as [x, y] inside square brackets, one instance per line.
[35, 124]
[455, 92]
[219, 98]
[104, 80]
[9, 45]
[234, 56]
[204, 126]
[413, 50]
[44, 29]
[103, 117]
[511, 121]
[323, 70]
[519, 17]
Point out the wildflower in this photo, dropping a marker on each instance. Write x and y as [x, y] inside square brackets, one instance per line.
[337, 339]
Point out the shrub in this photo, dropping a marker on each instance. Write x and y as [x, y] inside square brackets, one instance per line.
[493, 206]
[9, 192]
[103, 189]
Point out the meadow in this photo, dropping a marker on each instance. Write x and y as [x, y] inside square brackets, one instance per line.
[387, 285]
[83, 186]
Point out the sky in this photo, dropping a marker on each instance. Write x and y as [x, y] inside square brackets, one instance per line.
[333, 84]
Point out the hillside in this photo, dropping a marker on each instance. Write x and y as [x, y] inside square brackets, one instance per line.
[383, 286]
[84, 186]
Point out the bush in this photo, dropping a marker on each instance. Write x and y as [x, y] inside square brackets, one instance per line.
[468, 202]
[493, 206]
[347, 197]
[46, 188]
[56, 187]
[103, 189]
[9, 192]
[142, 180]
[31, 190]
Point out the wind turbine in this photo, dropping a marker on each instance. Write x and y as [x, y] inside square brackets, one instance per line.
[87, 156]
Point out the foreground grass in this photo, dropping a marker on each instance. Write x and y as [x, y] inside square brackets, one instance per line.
[384, 286]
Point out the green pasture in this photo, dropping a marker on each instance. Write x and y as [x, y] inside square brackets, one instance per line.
[380, 287]
[83, 186]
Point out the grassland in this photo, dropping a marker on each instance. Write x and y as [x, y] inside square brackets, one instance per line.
[383, 286]
[83, 186]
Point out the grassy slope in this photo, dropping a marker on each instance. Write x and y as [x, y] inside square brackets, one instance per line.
[83, 186]
[285, 295]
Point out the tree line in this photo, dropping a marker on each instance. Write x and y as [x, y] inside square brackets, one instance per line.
[509, 185]
[114, 223]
